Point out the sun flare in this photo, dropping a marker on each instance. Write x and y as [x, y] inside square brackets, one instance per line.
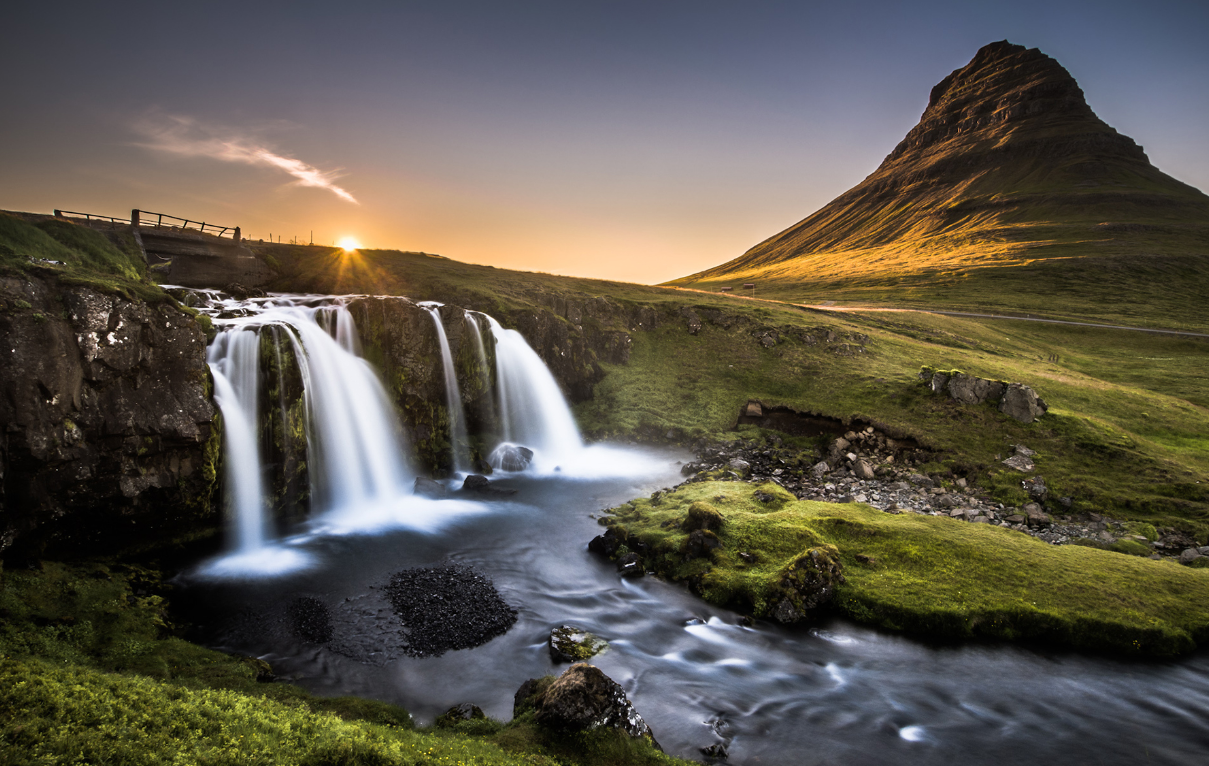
[348, 244]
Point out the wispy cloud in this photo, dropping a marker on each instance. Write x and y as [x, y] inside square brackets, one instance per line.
[186, 136]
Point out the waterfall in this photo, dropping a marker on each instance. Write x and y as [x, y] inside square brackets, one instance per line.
[533, 412]
[458, 438]
[234, 361]
[487, 402]
[353, 435]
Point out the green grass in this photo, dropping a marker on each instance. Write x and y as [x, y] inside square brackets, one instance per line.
[929, 576]
[1128, 411]
[90, 672]
[75, 254]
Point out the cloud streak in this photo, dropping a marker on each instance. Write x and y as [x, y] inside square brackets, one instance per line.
[186, 136]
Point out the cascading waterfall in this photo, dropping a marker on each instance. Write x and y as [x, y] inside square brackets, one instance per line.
[233, 358]
[532, 409]
[458, 437]
[352, 434]
[488, 402]
[359, 477]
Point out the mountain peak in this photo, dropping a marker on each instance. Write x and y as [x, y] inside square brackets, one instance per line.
[1008, 163]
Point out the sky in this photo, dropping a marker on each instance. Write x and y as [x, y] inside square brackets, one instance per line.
[635, 141]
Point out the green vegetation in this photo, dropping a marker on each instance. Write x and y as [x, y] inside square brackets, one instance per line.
[1125, 433]
[929, 576]
[75, 254]
[90, 672]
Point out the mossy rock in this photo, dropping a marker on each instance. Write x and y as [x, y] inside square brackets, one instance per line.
[1131, 547]
[570, 644]
[702, 515]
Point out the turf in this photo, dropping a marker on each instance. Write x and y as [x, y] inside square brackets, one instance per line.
[928, 576]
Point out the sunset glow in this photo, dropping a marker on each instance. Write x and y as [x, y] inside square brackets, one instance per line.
[349, 244]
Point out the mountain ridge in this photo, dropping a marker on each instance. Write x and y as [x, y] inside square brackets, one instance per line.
[1007, 167]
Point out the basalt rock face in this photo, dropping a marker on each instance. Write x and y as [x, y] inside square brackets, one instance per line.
[400, 339]
[1007, 156]
[108, 436]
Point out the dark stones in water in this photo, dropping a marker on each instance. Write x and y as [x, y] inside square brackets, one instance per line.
[571, 644]
[310, 619]
[447, 607]
[483, 486]
[513, 457]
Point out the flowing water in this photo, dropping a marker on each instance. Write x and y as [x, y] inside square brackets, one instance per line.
[834, 693]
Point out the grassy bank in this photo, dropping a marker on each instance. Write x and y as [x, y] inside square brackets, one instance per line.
[75, 254]
[927, 576]
[90, 672]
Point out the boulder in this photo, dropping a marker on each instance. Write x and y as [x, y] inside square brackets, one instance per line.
[1190, 555]
[511, 457]
[584, 699]
[1020, 463]
[630, 565]
[702, 515]
[863, 470]
[1035, 487]
[753, 410]
[482, 485]
[608, 543]
[700, 542]
[806, 583]
[458, 713]
[739, 466]
[1021, 403]
[570, 644]
[969, 389]
[820, 469]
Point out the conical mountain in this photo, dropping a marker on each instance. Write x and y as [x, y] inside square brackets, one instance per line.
[1008, 168]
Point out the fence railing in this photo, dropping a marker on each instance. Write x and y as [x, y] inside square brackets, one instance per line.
[147, 219]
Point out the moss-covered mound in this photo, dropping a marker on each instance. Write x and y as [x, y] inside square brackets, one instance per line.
[76, 254]
[928, 576]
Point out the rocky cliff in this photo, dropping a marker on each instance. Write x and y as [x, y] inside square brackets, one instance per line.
[108, 437]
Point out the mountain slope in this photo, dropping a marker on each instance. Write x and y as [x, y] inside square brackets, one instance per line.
[1008, 169]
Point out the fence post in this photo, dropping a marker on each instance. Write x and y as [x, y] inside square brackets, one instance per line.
[134, 218]
[238, 236]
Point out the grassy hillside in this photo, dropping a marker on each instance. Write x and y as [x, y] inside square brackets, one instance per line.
[1128, 416]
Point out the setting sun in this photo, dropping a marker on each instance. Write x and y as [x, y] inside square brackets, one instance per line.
[349, 244]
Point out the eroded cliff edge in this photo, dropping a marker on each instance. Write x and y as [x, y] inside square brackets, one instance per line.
[108, 435]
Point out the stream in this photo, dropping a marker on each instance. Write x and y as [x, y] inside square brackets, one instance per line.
[832, 693]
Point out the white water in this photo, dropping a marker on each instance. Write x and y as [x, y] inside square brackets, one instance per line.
[533, 412]
[488, 402]
[233, 361]
[360, 480]
[458, 438]
[355, 464]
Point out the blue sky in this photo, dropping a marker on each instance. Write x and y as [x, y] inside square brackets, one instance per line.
[629, 140]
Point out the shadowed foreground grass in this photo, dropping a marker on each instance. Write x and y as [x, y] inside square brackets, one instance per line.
[90, 674]
[928, 576]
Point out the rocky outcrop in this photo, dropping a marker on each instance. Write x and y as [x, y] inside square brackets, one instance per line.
[806, 583]
[1015, 400]
[108, 435]
[583, 698]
